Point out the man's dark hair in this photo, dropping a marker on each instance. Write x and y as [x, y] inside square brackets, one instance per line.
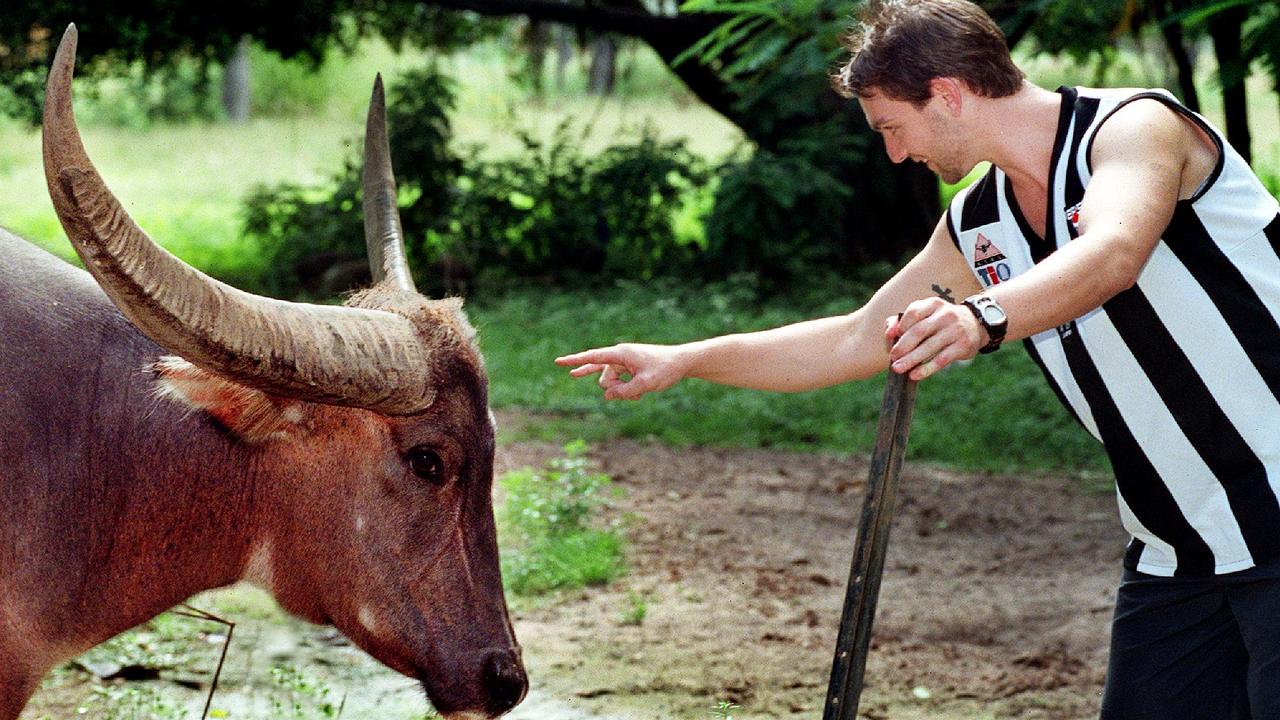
[899, 46]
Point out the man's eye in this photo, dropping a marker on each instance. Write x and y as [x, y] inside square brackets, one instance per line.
[426, 464]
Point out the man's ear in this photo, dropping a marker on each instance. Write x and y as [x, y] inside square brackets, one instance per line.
[248, 413]
[950, 91]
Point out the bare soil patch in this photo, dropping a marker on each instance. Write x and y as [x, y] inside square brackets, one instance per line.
[996, 598]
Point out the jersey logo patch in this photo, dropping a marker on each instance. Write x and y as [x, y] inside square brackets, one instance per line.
[1073, 216]
[989, 263]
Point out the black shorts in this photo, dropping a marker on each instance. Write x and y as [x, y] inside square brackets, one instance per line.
[1196, 648]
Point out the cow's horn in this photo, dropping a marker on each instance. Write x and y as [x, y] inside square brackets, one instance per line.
[340, 355]
[383, 234]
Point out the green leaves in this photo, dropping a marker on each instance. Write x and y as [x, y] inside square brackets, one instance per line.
[549, 516]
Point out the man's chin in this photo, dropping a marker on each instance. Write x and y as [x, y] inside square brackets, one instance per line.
[943, 173]
[950, 177]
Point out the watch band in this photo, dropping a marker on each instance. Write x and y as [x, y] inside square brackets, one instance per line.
[978, 305]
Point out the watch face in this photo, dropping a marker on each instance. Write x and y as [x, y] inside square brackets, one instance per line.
[993, 314]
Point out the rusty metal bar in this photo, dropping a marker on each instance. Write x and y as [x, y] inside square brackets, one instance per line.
[854, 639]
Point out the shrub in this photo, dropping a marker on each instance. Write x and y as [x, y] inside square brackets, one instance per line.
[312, 242]
[549, 515]
[552, 213]
[781, 212]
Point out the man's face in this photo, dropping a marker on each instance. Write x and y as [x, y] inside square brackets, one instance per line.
[928, 134]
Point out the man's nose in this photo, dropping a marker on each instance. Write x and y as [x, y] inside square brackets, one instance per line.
[895, 150]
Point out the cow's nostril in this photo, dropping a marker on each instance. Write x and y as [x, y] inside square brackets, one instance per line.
[505, 678]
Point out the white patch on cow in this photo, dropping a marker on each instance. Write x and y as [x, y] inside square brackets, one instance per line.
[258, 570]
[172, 383]
[359, 523]
[293, 415]
[368, 620]
[493, 420]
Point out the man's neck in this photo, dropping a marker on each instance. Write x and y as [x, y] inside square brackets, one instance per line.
[1018, 133]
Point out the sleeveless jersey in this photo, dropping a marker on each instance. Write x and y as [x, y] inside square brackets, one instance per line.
[1178, 376]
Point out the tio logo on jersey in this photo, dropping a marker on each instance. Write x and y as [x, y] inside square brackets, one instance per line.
[989, 263]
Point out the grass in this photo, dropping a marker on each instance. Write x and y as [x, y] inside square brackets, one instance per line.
[550, 537]
[183, 183]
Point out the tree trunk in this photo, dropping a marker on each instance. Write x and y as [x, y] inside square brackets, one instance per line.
[604, 64]
[537, 37]
[1226, 30]
[1175, 41]
[668, 36]
[564, 53]
[235, 84]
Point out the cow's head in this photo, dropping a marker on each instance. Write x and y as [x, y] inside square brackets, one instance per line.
[369, 424]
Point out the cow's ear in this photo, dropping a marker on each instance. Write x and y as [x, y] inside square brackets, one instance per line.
[249, 414]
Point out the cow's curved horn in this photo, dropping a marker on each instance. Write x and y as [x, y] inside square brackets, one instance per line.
[383, 234]
[341, 355]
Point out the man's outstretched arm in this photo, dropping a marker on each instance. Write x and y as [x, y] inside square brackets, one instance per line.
[802, 356]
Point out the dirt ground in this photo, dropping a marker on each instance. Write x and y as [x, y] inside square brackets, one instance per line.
[995, 601]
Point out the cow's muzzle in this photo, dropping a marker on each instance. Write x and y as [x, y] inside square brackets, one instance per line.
[505, 678]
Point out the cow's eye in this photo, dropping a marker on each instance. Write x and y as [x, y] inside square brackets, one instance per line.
[426, 464]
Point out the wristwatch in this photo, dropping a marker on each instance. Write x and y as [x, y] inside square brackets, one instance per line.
[992, 317]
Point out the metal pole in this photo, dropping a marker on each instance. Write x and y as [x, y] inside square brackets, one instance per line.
[854, 639]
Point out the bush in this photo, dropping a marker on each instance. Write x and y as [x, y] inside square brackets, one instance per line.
[311, 242]
[551, 213]
[549, 514]
[781, 212]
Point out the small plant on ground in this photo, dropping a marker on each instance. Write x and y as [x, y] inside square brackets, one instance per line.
[637, 608]
[549, 516]
[300, 696]
[723, 709]
[130, 702]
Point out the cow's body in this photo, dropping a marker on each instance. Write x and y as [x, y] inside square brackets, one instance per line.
[92, 457]
[341, 458]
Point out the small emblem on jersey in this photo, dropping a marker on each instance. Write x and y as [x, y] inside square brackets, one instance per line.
[1073, 216]
[989, 263]
[1067, 330]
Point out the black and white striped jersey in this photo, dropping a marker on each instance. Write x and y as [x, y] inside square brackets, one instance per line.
[1178, 376]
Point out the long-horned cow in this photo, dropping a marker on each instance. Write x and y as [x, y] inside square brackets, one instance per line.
[162, 433]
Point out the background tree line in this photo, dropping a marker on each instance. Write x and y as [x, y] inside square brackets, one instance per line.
[814, 193]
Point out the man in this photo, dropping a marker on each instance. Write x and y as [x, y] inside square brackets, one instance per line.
[1138, 257]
